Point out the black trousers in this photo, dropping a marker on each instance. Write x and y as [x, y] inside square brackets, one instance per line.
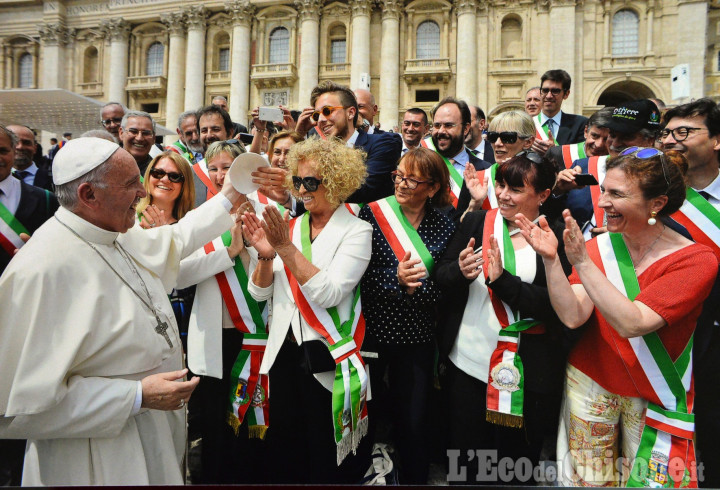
[404, 398]
[471, 435]
[301, 438]
[12, 457]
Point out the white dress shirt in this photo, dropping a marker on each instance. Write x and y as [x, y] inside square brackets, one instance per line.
[10, 193]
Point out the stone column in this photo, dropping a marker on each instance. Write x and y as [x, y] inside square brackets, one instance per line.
[309, 52]
[118, 31]
[691, 42]
[606, 28]
[176, 70]
[483, 65]
[360, 47]
[54, 37]
[562, 53]
[241, 12]
[196, 18]
[650, 22]
[466, 76]
[389, 101]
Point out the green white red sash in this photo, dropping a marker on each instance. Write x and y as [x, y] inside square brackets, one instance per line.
[344, 339]
[490, 201]
[179, 148]
[10, 229]
[596, 167]
[201, 170]
[354, 208]
[573, 152]
[249, 390]
[399, 233]
[506, 378]
[666, 454]
[456, 178]
[542, 132]
[263, 199]
[701, 220]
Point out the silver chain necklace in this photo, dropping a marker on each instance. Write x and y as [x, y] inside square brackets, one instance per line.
[161, 327]
[635, 265]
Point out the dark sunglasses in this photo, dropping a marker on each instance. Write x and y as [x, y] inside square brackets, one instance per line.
[642, 153]
[554, 91]
[325, 111]
[175, 177]
[530, 155]
[507, 137]
[310, 183]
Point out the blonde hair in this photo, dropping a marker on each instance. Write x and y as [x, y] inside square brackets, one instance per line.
[217, 147]
[186, 199]
[341, 168]
[517, 121]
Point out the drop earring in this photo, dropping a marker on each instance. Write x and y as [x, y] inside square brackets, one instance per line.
[651, 219]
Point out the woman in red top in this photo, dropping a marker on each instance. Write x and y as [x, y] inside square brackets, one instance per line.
[640, 289]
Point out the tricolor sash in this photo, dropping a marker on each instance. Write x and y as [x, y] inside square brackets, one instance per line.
[573, 152]
[490, 201]
[666, 454]
[506, 378]
[399, 233]
[267, 201]
[701, 220]
[344, 339]
[248, 387]
[181, 149]
[201, 170]
[456, 178]
[10, 229]
[542, 132]
[354, 208]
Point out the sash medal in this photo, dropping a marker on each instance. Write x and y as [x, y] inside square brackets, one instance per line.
[542, 132]
[506, 380]
[701, 219]
[456, 179]
[10, 229]
[248, 398]
[344, 338]
[399, 233]
[669, 422]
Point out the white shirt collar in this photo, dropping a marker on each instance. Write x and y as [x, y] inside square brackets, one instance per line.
[557, 117]
[461, 158]
[713, 189]
[353, 139]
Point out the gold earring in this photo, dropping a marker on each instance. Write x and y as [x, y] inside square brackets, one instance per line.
[652, 220]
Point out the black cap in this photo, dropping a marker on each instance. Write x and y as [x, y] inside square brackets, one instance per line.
[633, 116]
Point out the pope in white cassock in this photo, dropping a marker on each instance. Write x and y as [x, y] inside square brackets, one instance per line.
[90, 356]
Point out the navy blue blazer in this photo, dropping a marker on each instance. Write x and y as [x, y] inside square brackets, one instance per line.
[383, 152]
[572, 129]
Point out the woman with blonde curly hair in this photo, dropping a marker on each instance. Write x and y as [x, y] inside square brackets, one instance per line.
[309, 269]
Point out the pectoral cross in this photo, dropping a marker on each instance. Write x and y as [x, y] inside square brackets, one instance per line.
[161, 329]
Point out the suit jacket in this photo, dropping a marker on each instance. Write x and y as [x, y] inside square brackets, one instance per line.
[43, 179]
[464, 197]
[572, 129]
[543, 355]
[554, 154]
[489, 155]
[35, 208]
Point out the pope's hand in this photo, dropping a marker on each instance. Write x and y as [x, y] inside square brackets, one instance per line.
[166, 391]
[231, 193]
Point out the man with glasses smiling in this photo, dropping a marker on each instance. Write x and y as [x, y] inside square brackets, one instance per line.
[414, 128]
[137, 134]
[111, 116]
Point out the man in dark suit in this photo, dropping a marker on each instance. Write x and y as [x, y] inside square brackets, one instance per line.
[31, 207]
[367, 109]
[474, 140]
[565, 128]
[595, 144]
[25, 168]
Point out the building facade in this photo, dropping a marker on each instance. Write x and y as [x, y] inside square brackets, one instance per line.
[166, 56]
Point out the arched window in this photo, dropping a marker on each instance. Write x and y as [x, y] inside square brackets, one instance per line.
[222, 43]
[155, 54]
[279, 46]
[90, 65]
[25, 71]
[511, 38]
[625, 33]
[338, 44]
[428, 40]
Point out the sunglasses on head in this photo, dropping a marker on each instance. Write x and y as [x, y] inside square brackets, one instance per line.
[507, 137]
[311, 183]
[174, 177]
[642, 153]
[325, 111]
[530, 155]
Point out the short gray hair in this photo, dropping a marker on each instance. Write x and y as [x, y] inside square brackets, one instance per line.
[601, 118]
[10, 134]
[67, 193]
[220, 97]
[129, 114]
[185, 115]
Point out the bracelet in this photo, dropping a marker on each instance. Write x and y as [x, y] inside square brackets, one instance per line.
[246, 243]
[260, 257]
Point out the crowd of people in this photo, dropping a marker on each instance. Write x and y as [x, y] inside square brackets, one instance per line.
[539, 287]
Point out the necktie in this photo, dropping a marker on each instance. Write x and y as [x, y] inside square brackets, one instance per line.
[704, 194]
[21, 174]
[551, 127]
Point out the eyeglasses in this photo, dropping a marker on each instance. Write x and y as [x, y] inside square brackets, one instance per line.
[108, 122]
[447, 126]
[174, 177]
[507, 137]
[554, 91]
[410, 183]
[325, 111]
[311, 183]
[644, 153]
[680, 133]
[144, 132]
[231, 142]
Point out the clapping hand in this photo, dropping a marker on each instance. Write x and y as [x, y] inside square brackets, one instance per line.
[495, 264]
[255, 235]
[409, 273]
[470, 262]
[539, 236]
[574, 240]
[276, 227]
[153, 216]
[478, 187]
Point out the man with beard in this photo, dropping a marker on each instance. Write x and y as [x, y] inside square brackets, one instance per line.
[213, 124]
[137, 134]
[111, 116]
[451, 125]
[25, 168]
[189, 145]
[414, 128]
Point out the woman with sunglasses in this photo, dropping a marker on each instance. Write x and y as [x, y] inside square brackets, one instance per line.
[639, 289]
[272, 180]
[400, 295]
[170, 195]
[502, 343]
[308, 271]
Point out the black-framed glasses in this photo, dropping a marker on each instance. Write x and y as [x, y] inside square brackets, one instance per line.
[643, 153]
[680, 133]
[507, 137]
[174, 177]
[409, 182]
[325, 111]
[554, 91]
[311, 183]
[108, 122]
